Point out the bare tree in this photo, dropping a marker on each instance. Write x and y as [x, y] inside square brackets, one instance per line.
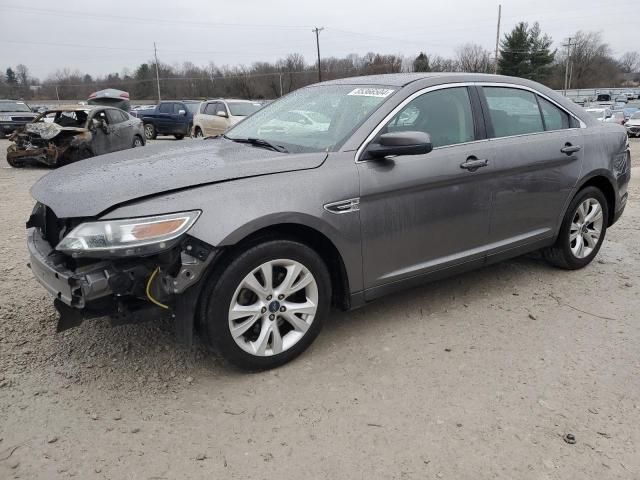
[22, 74]
[630, 62]
[473, 58]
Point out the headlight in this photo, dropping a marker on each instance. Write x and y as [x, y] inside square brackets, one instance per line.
[127, 237]
[5, 118]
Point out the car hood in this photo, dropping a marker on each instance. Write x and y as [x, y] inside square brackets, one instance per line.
[47, 131]
[635, 122]
[90, 187]
[19, 114]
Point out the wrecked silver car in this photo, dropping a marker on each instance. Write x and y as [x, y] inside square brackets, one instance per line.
[67, 134]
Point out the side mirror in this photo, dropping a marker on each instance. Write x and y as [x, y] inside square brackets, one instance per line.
[182, 112]
[401, 143]
[222, 113]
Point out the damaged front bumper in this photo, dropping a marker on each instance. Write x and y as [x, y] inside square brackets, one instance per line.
[121, 288]
[48, 155]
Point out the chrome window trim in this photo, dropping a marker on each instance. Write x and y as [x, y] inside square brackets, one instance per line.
[415, 95]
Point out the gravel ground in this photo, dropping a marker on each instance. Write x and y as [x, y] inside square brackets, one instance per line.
[479, 376]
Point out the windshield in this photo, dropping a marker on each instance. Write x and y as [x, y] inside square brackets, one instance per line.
[636, 116]
[193, 107]
[14, 107]
[313, 119]
[243, 109]
[596, 113]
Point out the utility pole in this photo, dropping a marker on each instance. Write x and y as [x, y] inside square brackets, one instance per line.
[280, 75]
[566, 67]
[495, 67]
[57, 95]
[155, 54]
[317, 32]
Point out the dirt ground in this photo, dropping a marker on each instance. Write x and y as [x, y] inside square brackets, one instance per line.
[479, 376]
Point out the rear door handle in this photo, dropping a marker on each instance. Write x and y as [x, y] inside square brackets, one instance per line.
[570, 149]
[472, 164]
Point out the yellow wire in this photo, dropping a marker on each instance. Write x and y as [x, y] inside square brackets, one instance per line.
[149, 282]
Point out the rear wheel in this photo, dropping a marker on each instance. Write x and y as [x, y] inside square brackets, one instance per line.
[266, 305]
[198, 133]
[137, 142]
[150, 131]
[179, 137]
[582, 232]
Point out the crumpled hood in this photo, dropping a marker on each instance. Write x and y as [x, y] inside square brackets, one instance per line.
[48, 130]
[89, 187]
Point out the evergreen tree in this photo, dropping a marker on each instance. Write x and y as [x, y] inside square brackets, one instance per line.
[11, 76]
[421, 63]
[525, 52]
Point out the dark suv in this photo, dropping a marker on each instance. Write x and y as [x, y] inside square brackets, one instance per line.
[169, 118]
[14, 114]
[251, 237]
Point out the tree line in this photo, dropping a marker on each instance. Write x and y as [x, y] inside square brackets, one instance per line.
[525, 52]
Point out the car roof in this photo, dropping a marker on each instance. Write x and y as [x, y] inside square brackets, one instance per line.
[230, 100]
[76, 107]
[403, 79]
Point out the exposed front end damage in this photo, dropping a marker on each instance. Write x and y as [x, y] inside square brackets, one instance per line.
[126, 289]
[47, 144]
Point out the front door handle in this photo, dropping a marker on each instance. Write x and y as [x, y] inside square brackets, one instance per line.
[570, 149]
[472, 164]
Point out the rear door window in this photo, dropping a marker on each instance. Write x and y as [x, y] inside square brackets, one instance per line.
[166, 108]
[513, 111]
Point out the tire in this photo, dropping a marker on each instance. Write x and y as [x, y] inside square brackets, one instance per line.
[198, 133]
[566, 252]
[179, 137]
[267, 312]
[150, 132]
[137, 142]
[15, 163]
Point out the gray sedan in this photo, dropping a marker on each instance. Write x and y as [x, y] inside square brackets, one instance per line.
[250, 238]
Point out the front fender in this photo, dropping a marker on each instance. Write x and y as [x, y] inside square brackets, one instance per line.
[233, 210]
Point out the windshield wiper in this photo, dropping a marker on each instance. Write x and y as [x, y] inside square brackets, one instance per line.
[259, 142]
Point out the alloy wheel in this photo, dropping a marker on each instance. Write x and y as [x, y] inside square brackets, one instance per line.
[273, 307]
[586, 228]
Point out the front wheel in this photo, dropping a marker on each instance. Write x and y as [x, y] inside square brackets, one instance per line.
[150, 131]
[267, 305]
[198, 133]
[179, 137]
[582, 232]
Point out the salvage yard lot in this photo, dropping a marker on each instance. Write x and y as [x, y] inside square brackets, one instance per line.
[478, 376]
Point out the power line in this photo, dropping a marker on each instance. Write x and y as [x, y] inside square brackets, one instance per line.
[131, 19]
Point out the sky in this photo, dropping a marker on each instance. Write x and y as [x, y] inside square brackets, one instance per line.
[104, 37]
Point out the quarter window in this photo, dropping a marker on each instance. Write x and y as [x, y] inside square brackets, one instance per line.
[444, 114]
[513, 111]
[554, 118]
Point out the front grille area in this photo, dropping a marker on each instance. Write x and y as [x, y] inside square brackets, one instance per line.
[21, 119]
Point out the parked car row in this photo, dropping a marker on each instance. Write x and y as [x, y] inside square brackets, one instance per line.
[332, 196]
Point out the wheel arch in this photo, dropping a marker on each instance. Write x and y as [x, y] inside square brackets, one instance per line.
[311, 236]
[602, 180]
